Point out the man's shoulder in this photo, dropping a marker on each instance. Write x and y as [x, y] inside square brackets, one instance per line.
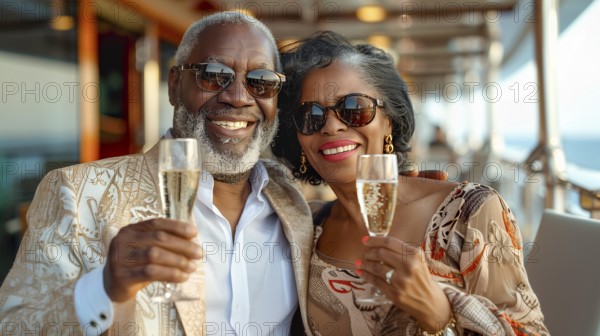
[106, 168]
[107, 163]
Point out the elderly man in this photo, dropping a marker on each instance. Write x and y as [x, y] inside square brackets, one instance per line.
[97, 250]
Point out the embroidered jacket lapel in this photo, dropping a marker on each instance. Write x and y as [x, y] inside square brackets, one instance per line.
[295, 216]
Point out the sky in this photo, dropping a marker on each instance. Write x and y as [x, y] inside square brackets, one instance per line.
[515, 97]
[578, 73]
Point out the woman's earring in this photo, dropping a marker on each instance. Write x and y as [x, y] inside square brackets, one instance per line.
[302, 162]
[388, 147]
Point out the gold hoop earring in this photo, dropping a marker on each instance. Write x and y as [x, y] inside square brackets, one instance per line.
[388, 147]
[302, 163]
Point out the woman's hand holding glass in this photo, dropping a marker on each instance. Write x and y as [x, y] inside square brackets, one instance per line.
[397, 270]
[410, 286]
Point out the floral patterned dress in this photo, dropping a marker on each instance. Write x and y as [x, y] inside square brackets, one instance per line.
[474, 251]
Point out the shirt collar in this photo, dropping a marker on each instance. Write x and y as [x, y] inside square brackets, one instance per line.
[259, 178]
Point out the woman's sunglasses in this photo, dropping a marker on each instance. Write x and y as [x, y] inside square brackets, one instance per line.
[216, 77]
[354, 110]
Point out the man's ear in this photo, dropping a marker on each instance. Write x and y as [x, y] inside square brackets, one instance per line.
[174, 78]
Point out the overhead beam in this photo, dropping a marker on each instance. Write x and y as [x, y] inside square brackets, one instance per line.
[164, 13]
[354, 30]
[443, 53]
[335, 11]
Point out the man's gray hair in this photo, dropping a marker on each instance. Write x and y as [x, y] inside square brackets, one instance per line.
[190, 38]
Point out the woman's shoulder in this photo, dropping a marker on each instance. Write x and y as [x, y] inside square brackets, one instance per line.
[472, 207]
[470, 198]
[467, 197]
[423, 188]
[464, 189]
[476, 194]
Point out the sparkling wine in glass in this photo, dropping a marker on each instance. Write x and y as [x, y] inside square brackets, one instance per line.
[178, 174]
[377, 188]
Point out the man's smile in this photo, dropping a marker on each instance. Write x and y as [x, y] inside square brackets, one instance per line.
[230, 125]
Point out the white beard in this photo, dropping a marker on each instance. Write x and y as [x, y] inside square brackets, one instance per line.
[227, 164]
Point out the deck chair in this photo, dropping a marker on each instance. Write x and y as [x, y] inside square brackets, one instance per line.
[563, 267]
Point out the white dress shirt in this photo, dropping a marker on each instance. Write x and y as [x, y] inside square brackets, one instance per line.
[250, 287]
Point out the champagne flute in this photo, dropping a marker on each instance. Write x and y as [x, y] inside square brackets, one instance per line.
[377, 188]
[178, 174]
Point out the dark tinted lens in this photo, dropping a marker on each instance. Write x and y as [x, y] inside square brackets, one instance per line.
[356, 110]
[263, 83]
[214, 77]
[309, 118]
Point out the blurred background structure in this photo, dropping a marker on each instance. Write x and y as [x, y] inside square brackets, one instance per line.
[504, 90]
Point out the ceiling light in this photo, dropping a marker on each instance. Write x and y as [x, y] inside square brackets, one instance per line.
[380, 41]
[370, 13]
[244, 11]
[62, 22]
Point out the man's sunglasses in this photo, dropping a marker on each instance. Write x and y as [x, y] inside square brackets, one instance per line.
[216, 77]
[354, 109]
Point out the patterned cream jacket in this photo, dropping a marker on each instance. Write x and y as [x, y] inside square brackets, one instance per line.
[75, 213]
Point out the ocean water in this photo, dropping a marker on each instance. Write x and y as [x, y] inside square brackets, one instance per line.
[583, 168]
[582, 152]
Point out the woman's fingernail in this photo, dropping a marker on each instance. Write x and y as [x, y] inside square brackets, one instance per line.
[359, 272]
[365, 239]
[358, 262]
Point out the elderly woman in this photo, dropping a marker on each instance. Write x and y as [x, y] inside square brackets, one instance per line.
[452, 262]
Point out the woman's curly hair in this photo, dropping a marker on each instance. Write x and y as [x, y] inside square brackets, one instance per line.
[375, 67]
